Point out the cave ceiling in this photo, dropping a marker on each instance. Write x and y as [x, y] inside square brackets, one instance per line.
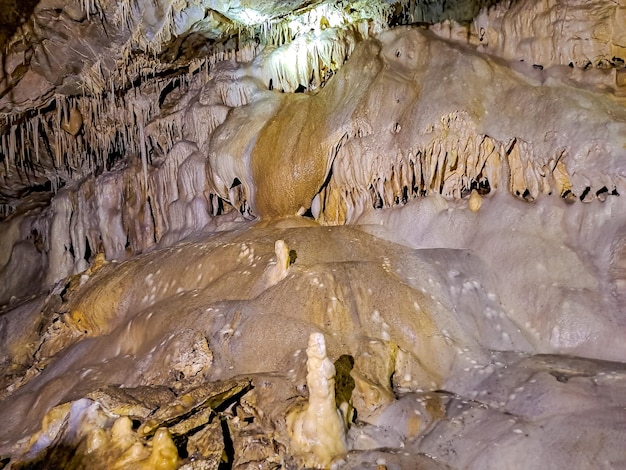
[56, 52]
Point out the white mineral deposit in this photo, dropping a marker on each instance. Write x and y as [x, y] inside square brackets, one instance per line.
[313, 234]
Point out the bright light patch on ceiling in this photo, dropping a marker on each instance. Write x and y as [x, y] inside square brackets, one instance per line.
[251, 17]
[319, 18]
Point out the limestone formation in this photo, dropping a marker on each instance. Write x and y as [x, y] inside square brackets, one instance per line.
[317, 430]
[428, 193]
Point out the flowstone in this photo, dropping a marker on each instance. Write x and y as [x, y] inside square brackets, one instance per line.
[191, 194]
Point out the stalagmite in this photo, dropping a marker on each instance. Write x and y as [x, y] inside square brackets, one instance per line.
[164, 455]
[277, 270]
[122, 435]
[282, 258]
[317, 430]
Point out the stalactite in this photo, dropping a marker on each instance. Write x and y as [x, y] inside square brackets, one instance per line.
[169, 200]
[447, 166]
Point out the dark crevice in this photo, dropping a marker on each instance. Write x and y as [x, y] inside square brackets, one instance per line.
[482, 186]
[344, 385]
[171, 86]
[307, 214]
[602, 190]
[229, 448]
[405, 195]
[152, 219]
[216, 205]
[377, 200]
[14, 14]
[181, 445]
[585, 193]
[88, 251]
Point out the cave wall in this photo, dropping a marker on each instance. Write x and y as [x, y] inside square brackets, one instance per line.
[191, 194]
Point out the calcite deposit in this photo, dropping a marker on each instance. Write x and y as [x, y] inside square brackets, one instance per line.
[317, 429]
[299, 234]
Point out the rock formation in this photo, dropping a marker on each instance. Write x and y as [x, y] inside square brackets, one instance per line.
[427, 193]
[317, 430]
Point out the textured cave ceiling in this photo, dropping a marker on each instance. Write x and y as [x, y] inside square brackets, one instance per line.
[55, 52]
